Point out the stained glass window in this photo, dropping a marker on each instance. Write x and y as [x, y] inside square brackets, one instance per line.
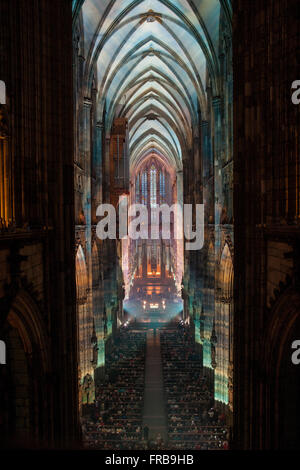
[153, 186]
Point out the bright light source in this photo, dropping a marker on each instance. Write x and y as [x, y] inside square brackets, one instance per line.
[154, 306]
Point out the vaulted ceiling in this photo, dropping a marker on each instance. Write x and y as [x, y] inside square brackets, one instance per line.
[152, 61]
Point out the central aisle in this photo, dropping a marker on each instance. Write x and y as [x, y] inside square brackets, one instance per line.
[154, 415]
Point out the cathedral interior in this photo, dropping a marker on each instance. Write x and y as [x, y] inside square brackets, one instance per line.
[122, 343]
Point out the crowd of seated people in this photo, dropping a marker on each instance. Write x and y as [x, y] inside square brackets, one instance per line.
[117, 419]
[193, 422]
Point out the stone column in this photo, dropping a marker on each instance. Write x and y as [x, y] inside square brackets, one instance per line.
[97, 169]
[217, 157]
[106, 171]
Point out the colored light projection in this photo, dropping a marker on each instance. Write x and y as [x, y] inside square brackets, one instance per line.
[150, 60]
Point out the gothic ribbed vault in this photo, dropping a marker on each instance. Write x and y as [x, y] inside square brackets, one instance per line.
[151, 61]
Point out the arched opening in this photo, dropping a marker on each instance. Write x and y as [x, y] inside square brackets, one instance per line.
[289, 392]
[154, 286]
[98, 342]
[25, 402]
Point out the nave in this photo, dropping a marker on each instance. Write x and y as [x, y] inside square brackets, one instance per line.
[155, 395]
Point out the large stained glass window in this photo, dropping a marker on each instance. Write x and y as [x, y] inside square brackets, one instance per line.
[153, 186]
